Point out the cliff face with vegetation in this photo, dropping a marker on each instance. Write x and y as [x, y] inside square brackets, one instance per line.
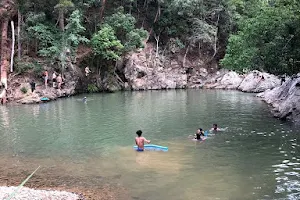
[145, 44]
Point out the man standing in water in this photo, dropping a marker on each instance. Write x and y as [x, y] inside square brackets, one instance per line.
[140, 141]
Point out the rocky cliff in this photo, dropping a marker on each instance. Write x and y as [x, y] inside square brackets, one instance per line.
[285, 99]
[145, 71]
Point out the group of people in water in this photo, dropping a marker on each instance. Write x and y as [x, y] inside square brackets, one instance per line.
[200, 133]
[140, 141]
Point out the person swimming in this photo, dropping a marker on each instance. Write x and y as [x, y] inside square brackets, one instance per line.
[199, 133]
[84, 99]
[215, 128]
[140, 141]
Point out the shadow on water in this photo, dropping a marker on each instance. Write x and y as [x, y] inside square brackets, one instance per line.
[89, 146]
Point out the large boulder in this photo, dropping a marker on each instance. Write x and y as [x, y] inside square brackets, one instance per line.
[285, 99]
[34, 98]
[257, 81]
[231, 80]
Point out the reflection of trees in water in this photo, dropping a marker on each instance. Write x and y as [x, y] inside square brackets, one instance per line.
[4, 118]
[10, 136]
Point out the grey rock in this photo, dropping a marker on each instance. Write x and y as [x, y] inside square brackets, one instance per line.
[284, 99]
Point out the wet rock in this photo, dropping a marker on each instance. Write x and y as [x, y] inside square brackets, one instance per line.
[285, 99]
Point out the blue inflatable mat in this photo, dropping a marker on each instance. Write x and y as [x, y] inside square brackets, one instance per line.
[45, 99]
[206, 133]
[153, 147]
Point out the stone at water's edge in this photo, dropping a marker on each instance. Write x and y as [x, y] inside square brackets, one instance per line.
[285, 99]
[224, 80]
[257, 81]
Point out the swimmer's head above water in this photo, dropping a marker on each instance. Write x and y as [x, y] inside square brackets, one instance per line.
[215, 126]
[139, 133]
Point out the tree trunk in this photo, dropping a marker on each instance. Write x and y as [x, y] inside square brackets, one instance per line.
[61, 20]
[18, 34]
[216, 39]
[184, 58]
[12, 46]
[102, 10]
[157, 13]
[4, 62]
[157, 44]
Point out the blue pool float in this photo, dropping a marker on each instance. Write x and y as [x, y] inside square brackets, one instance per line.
[45, 99]
[153, 147]
[206, 133]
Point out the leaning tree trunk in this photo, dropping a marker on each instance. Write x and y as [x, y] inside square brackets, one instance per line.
[18, 34]
[4, 62]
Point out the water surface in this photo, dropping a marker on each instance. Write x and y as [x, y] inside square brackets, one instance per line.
[255, 158]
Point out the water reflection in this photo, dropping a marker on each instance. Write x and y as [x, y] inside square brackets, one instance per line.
[4, 117]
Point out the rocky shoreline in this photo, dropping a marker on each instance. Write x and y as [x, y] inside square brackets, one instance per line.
[285, 99]
[143, 70]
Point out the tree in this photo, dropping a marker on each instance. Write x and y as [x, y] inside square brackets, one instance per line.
[266, 40]
[106, 45]
[62, 7]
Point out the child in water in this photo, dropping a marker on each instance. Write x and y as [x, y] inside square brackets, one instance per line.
[140, 141]
[215, 128]
[199, 133]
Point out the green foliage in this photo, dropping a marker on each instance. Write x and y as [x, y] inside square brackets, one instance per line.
[267, 41]
[23, 90]
[124, 28]
[92, 88]
[23, 66]
[74, 30]
[121, 23]
[134, 39]
[264, 34]
[64, 4]
[106, 45]
[52, 42]
[203, 33]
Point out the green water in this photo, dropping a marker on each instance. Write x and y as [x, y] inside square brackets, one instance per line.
[257, 157]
